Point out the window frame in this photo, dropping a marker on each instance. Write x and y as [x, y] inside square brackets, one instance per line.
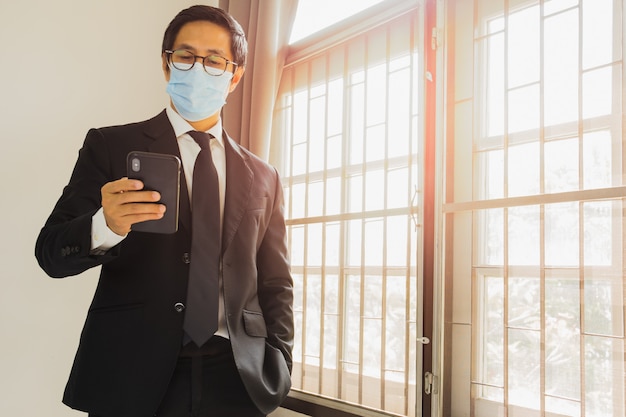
[302, 50]
[461, 209]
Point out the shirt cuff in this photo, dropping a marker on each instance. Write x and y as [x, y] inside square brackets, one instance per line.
[102, 238]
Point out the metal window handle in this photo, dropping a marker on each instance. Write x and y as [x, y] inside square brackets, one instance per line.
[423, 340]
[430, 382]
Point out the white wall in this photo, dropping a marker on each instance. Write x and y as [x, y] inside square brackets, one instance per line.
[65, 66]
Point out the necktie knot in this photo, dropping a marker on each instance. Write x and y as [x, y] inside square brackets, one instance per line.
[202, 138]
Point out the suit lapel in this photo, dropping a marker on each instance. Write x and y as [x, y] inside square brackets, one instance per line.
[239, 178]
[164, 141]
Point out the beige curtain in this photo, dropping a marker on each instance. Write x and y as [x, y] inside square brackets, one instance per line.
[248, 115]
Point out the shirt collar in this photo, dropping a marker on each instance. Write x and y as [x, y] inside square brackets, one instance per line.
[182, 126]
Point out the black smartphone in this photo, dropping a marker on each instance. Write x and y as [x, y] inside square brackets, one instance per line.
[158, 172]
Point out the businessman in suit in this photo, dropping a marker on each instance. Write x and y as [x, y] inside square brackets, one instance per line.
[136, 356]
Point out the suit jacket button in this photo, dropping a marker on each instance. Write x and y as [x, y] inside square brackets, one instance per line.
[186, 258]
[179, 307]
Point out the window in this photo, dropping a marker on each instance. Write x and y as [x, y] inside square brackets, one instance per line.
[325, 13]
[535, 181]
[346, 118]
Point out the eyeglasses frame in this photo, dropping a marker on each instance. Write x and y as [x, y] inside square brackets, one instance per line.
[228, 61]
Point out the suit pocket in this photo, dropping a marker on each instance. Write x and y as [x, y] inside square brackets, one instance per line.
[114, 326]
[110, 354]
[254, 323]
[114, 308]
[257, 204]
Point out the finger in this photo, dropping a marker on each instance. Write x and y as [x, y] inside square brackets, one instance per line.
[121, 219]
[125, 223]
[141, 209]
[122, 185]
[140, 218]
[138, 197]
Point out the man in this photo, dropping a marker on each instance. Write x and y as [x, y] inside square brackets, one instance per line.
[137, 356]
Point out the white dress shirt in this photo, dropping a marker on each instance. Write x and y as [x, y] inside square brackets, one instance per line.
[103, 238]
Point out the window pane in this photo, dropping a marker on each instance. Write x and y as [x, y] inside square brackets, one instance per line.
[597, 160]
[300, 116]
[375, 190]
[376, 141]
[317, 135]
[374, 240]
[299, 159]
[354, 243]
[494, 109]
[524, 303]
[554, 6]
[561, 68]
[597, 92]
[334, 152]
[314, 249]
[335, 107]
[395, 319]
[491, 335]
[561, 234]
[312, 324]
[603, 305]
[491, 174]
[398, 188]
[397, 242]
[524, 109]
[334, 12]
[524, 47]
[353, 324]
[333, 195]
[562, 329]
[357, 123]
[332, 244]
[597, 33]
[491, 237]
[524, 235]
[355, 193]
[604, 376]
[524, 354]
[561, 165]
[315, 198]
[376, 94]
[523, 169]
[297, 245]
[399, 113]
[599, 232]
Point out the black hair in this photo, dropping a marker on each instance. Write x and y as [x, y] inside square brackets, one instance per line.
[238, 42]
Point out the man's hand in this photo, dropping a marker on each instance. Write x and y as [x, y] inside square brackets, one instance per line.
[124, 204]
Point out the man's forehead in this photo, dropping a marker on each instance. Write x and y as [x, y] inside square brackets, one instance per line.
[204, 37]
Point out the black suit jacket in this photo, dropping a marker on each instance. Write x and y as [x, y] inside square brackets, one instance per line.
[132, 335]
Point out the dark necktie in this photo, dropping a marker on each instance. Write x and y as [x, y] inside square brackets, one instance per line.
[203, 288]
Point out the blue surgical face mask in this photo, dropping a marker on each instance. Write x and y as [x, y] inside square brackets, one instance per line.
[197, 95]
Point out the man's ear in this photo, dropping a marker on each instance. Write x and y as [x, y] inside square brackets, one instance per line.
[236, 78]
[165, 67]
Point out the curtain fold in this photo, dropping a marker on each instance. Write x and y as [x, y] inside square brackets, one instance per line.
[248, 114]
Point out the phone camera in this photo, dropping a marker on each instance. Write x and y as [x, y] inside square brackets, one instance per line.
[135, 164]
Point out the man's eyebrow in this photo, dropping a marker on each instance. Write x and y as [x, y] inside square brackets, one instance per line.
[195, 51]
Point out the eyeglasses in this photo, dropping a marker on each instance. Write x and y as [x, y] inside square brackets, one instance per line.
[184, 60]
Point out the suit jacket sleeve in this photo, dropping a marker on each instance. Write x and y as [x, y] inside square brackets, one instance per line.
[275, 281]
[64, 243]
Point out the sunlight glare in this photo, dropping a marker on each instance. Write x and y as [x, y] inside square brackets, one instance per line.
[315, 15]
